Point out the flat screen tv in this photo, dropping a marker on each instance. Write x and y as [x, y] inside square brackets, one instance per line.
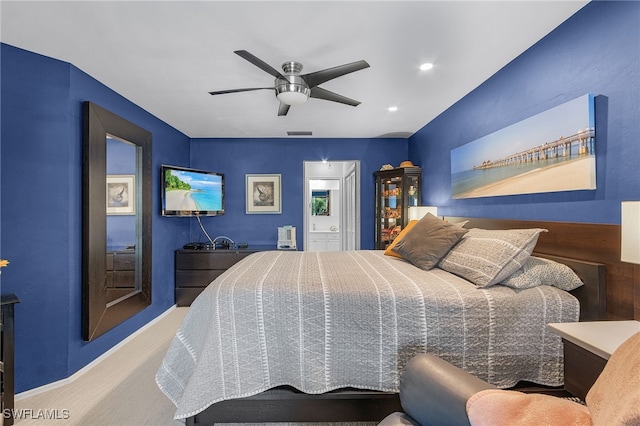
[191, 192]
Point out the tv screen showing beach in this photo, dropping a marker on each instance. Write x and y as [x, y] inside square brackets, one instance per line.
[549, 152]
[189, 191]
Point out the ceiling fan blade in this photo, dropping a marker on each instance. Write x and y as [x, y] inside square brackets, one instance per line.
[283, 109]
[314, 79]
[259, 63]
[222, 92]
[320, 93]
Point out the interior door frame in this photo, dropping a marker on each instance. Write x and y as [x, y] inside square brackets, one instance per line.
[349, 198]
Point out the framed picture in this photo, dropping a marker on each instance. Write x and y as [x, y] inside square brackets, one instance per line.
[552, 151]
[264, 194]
[121, 194]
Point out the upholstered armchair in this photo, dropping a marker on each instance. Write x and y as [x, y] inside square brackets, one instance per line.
[435, 392]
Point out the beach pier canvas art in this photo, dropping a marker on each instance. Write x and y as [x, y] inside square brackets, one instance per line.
[549, 152]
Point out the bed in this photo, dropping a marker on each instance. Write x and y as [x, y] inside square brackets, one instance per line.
[303, 336]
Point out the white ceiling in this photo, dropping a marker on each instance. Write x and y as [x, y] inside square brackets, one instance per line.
[166, 56]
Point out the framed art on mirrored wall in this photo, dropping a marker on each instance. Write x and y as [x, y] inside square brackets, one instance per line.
[121, 194]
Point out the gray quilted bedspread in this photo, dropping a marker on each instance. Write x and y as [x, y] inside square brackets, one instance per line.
[329, 320]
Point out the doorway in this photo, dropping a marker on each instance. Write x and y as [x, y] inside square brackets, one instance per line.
[331, 205]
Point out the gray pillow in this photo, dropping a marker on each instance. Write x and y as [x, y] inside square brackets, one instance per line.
[537, 271]
[486, 257]
[428, 240]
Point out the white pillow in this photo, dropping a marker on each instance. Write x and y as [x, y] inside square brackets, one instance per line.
[538, 271]
[486, 257]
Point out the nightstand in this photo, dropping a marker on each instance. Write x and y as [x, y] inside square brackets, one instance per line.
[587, 348]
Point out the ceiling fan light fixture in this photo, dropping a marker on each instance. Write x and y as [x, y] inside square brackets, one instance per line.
[292, 88]
[292, 98]
[293, 91]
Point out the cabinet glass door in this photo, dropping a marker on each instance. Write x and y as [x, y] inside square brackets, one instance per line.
[396, 191]
[413, 186]
[391, 213]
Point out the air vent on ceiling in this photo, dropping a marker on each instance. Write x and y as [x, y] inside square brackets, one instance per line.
[299, 133]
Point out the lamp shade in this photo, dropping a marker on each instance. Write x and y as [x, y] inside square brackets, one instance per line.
[417, 213]
[630, 250]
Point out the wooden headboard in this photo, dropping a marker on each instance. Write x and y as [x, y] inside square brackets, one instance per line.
[592, 295]
[588, 242]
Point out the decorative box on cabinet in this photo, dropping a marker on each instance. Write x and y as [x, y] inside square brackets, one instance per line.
[195, 269]
[396, 191]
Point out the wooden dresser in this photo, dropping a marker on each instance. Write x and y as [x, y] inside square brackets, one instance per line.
[195, 269]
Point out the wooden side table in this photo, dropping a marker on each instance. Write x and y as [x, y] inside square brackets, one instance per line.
[587, 348]
[7, 356]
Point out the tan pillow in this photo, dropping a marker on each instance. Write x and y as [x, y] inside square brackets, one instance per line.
[428, 240]
[389, 251]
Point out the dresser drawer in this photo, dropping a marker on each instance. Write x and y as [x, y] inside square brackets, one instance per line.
[124, 262]
[186, 296]
[195, 270]
[197, 278]
[206, 260]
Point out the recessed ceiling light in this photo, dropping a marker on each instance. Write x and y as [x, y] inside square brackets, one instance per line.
[426, 66]
[392, 108]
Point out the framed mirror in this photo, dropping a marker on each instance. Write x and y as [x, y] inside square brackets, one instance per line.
[116, 220]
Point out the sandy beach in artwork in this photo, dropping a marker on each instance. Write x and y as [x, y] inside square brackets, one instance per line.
[180, 199]
[569, 176]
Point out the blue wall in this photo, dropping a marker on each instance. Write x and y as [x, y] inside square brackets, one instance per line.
[41, 177]
[286, 157]
[594, 51]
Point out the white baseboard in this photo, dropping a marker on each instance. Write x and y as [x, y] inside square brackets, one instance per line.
[77, 374]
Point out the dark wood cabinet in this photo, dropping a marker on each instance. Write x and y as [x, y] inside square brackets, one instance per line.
[7, 386]
[396, 191]
[581, 369]
[195, 269]
[588, 346]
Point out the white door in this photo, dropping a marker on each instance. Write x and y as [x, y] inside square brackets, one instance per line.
[352, 218]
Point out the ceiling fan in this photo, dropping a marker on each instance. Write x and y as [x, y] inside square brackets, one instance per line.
[293, 88]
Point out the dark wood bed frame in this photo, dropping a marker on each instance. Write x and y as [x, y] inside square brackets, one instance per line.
[591, 250]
